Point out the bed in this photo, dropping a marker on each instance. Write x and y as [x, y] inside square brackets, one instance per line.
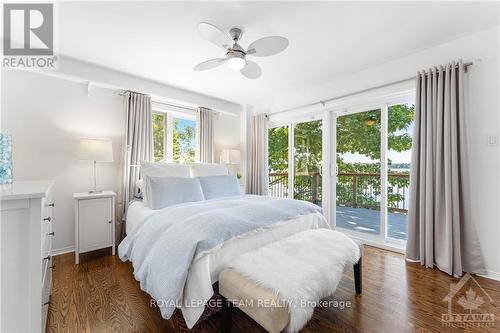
[147, 239]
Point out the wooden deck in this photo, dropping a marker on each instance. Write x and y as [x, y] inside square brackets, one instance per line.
[368, 221]
[101, 295]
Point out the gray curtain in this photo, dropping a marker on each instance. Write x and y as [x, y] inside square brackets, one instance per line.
[138, 143]
[205, 135]
[258, 173]
[440, 224]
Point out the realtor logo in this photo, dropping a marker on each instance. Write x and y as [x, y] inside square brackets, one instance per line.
[470, 302]
[28, 35]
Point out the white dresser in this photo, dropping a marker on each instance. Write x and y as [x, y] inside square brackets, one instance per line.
[25, 260]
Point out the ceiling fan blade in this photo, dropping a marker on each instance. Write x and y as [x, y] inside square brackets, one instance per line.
[209, 64]
[214, 35]
[251, 70]
[268, 46]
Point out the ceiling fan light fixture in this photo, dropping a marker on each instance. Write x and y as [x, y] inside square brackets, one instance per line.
[236, 56]
[236, 63]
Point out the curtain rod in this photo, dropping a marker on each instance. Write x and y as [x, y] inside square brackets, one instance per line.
[175, 106]
[323, 102]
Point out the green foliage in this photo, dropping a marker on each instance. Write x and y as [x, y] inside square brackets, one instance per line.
[183, 143]
[278, 149]
[357, 133]
[307, 143]
[158, 136]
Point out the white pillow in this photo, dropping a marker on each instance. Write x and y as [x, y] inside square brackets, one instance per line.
[219, 186]
[167, 191]
[206, 169]
[161, 169]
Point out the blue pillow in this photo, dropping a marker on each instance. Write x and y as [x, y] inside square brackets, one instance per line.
[219, 186]
[162, 192]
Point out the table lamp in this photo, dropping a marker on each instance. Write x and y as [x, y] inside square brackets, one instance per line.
[97, 151]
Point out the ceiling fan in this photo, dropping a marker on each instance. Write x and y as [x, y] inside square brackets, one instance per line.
[236, 56]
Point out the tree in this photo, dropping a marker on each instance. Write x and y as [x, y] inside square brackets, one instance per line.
[357, 133]
[158, 136]
[183, 141]
[278, 149]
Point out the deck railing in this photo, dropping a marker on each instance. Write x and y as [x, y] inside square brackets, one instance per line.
[358, 190]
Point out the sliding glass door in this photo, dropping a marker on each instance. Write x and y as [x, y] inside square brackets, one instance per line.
[373, 155]
[308, 160]
[358, 171]
[295, 161]
[399, 140]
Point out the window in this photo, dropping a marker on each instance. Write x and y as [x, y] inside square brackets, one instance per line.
[174, 137]
[184, 143]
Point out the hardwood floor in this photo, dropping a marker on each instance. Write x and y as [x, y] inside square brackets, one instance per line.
[101, 295]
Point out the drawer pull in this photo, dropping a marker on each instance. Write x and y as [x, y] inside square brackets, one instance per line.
[46, 258]
[50, 205]
[51, 233]
[48, 219]
[110, 221]
[46, 303]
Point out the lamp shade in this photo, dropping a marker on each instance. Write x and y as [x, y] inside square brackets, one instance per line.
[230, 156]
[96, 150]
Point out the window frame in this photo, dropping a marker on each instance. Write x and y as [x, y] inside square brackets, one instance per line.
[168, 145]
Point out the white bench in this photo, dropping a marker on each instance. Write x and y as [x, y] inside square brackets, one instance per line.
[262, 304]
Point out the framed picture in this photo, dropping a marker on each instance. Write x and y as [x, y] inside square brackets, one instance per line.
[5, 158]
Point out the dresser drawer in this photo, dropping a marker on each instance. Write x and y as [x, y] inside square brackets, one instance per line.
[47, 208]
[47, 255]
[45, 310]
[47, 239]
[47, 281]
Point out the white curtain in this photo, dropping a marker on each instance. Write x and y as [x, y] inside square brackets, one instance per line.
[440, 224]
[205, 135]
[258, 173]
[138, 142]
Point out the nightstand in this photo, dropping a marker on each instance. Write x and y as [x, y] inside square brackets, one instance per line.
[94, 222]
[243, 188]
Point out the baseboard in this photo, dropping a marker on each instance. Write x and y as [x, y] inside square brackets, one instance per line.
[491, 275]
[63, 250]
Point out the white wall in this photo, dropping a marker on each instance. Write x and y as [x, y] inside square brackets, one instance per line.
[483, 117]
[48, 115]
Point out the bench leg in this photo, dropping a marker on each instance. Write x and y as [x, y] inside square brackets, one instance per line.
[227, 315]
[358, 276]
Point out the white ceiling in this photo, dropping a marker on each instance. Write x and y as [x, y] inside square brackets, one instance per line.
[159, 41]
